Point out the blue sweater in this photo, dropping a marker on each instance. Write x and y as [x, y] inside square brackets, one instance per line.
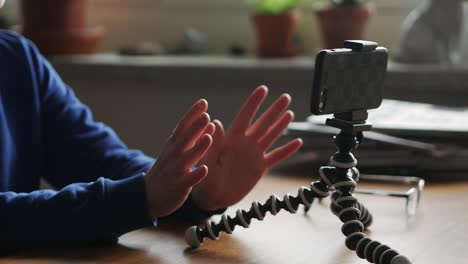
[46, 132]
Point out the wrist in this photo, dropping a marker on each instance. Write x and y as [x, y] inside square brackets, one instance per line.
[149, 197]
[127, 204]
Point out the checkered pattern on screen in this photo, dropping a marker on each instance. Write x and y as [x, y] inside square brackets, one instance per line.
[353, 79]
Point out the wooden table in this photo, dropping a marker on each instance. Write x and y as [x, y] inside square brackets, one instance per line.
[436, 234]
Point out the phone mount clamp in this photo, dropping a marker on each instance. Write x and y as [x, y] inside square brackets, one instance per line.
[337, 181]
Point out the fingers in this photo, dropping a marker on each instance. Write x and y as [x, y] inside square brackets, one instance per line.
[281, 153]
[192, 156]
[190, 116]
[173, 144]
[249, 109]
[268, 118]
[218, 135]
[195, 176]
[275, 131]
[188, 137]
[210, 129]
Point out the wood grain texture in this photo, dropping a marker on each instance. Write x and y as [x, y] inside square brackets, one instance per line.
[437, 234]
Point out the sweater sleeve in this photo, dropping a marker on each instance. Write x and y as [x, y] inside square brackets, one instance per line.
[79, 213]
[72, 137]
[79, 149]
[69, 134]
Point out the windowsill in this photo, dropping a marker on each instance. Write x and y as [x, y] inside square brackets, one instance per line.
[196, 61]
[425, 83]
[129, 93]
[220, 61]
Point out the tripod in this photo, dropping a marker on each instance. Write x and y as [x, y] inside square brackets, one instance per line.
[339, 180]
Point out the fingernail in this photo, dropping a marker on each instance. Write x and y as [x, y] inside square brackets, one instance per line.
[207, 115]
[203, 102]
[219, 123]
[263, 86]
[209, 139]
[213, 130]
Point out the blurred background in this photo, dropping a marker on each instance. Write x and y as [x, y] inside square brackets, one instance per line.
[225, 22]
[140, 64]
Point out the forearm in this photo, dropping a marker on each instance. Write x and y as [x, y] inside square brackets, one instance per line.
[79, 213]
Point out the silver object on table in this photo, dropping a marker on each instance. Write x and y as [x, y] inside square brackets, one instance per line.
[412, 195]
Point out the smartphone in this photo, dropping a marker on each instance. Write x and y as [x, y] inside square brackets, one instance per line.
[347, 80]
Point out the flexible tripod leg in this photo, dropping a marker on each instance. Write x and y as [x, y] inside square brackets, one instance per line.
[354, 215]
[355, 219]
[305, 196]
[365, 217]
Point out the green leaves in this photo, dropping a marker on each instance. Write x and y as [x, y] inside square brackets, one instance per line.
[275, 6]
[283, 6]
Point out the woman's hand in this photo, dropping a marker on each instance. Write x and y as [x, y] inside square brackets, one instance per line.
[239, 157]
[170, 180]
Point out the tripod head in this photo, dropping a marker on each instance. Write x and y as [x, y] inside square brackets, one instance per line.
[350, 122]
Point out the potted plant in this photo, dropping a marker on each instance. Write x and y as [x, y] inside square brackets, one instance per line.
[275, 22]
[59, 26]
[340, 20]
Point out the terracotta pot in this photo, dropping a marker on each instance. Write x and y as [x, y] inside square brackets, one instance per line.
[275, 34]
[338, 24]
[78, 41]
[59, 26]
